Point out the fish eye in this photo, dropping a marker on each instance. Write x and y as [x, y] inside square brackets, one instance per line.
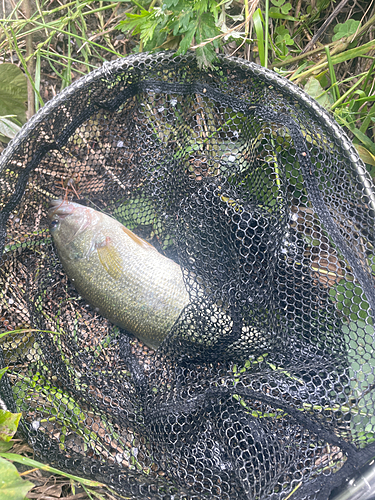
[54, 223]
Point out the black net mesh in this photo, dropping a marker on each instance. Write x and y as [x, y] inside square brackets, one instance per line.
[264, 387]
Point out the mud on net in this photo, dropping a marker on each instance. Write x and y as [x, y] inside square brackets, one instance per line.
[264, 388]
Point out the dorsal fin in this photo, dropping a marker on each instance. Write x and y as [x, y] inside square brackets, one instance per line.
[137, 239]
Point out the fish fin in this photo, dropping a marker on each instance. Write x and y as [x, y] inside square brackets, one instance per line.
[144, 244]
[110, 259]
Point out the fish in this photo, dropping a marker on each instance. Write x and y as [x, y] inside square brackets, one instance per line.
[121, 275]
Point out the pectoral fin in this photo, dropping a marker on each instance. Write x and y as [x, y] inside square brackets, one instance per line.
[137, 239]
[110, 259]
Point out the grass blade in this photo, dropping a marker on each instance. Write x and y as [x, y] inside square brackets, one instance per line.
[332, 74]
[29, 462]
[258, 26]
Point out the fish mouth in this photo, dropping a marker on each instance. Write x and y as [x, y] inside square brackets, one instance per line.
[60, 207]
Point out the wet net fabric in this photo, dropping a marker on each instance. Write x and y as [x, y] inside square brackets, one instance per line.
[265, 386]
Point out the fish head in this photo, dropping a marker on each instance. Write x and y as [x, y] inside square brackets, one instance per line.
[72, 228]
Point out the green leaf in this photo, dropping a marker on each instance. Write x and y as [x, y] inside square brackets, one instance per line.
[206, 56]
[366, 141]
[315, 90]
[135, 22]
[8, 128]
[350, 300]
[171, 3]
[137, 211]
[3, 370]
[185, 20]
[4, 447]
[186, 41]
[365, 155]
[281, 30]
[12, 487]
[13, 92]
[346, 29]
[286, 8]
[206, 29]
[258, 25]
[8, 424]
[285, 38]
[359, 340]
